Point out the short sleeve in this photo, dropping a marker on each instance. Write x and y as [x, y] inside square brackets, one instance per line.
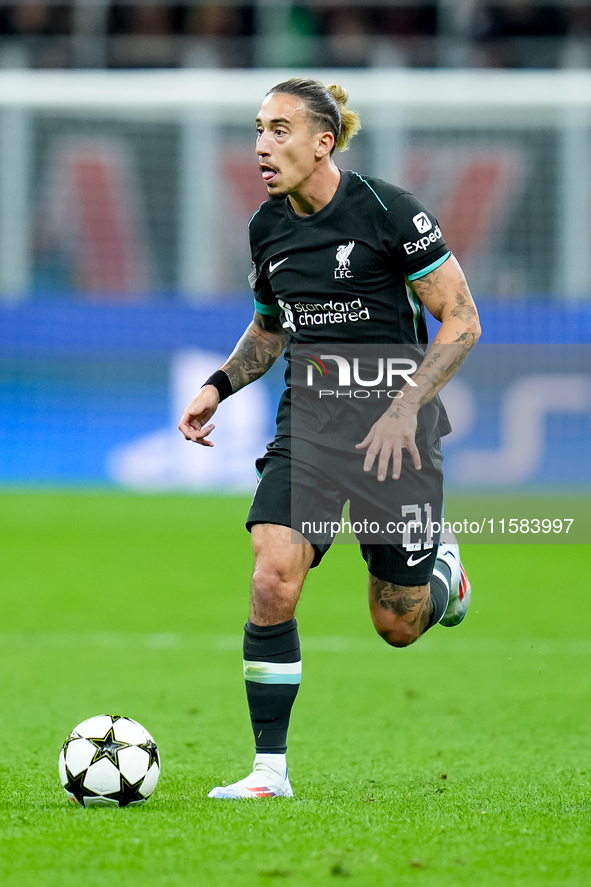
[264, 300]
[417, 236]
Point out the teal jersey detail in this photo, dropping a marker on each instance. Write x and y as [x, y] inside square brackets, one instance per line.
[254, 213]
[378, 198]
[430, 267]
[273, 310]
[415, 304]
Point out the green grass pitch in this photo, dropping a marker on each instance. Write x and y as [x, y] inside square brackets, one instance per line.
[464, 760]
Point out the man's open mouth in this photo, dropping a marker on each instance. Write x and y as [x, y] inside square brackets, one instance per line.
[268, 172]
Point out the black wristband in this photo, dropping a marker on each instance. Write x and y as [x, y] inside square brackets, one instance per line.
[221, 381]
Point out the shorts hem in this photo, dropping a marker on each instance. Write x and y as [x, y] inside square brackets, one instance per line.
[318, 552]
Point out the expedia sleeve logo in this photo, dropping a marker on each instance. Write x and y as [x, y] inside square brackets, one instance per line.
[416, 246]
[422, 223]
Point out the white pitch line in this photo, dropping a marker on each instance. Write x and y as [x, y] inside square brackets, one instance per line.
[332, 644]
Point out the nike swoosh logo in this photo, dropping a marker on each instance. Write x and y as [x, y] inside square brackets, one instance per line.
[411, 562]
[274, 265]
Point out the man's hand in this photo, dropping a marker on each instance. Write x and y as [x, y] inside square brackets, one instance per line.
[195, 418]
[256, 352]
[392, 433]
[445, 293]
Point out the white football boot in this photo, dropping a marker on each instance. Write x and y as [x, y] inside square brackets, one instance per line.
[268, 779]
[460, 590]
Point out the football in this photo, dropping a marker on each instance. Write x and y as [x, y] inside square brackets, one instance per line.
[109, 761]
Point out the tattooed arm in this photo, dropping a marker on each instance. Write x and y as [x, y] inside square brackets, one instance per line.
[445, 293]
[255, 353]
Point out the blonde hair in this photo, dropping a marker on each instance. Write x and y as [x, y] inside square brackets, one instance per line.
[350, 122]
[327, 108]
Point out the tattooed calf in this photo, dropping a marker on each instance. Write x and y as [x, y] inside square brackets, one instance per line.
[402, 601]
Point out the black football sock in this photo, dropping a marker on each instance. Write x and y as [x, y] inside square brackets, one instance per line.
[272, 674]
[440, 586]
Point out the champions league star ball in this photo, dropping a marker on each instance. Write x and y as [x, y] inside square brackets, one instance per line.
[109, 761]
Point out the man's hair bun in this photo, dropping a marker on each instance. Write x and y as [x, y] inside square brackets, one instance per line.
[350, 122]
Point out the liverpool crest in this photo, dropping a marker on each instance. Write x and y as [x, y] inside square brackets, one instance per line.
[344, 262]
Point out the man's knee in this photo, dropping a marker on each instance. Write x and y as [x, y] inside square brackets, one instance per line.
[396, 632]
[399, 613]
[273, 581]
[274, 595]
[280, 568]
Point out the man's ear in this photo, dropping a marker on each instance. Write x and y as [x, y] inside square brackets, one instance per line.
[324, 144]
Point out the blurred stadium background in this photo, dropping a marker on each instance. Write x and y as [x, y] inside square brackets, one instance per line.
[127, 177]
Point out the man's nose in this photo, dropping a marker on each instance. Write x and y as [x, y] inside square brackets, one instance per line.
[261, 147]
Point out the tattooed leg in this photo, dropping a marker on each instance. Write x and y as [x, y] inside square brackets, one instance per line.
[400, 613]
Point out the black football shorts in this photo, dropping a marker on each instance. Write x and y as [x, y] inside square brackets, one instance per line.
[397, 523]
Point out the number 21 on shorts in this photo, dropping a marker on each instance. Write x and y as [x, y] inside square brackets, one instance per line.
[415, 525]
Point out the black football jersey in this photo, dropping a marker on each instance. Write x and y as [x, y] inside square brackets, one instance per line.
[344, 274]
